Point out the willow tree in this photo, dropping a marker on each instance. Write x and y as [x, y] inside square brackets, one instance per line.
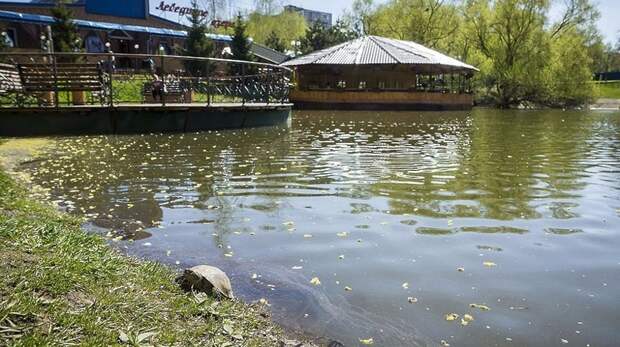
[433, 23]
[287, 26]
[525, 61]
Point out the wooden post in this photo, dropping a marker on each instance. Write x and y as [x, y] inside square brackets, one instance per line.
[242, 84]
[208, 86]
[110, 84]
[55, 71]
[163, 81]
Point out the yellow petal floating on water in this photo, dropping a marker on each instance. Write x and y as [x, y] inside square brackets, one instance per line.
[479, 306]
[405, 285]
[489, 264]
[444, 343]
[348, 289]
[468, 317]
[341, 256]
[342, 234]
[412, 300]
[460, 269]
[368, 341]
[451, 316]
[315, 281]
[307, 236]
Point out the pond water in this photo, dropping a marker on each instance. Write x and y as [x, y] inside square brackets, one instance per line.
[402, 217]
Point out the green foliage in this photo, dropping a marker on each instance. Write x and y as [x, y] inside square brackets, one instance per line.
[318, 37]
[274, 42]
[524, 57]
[240, 48]
[287, 25]
[569, 83]
[432, 23]
[64, 30]
[240, 45]
[198, 45]
[608, 89]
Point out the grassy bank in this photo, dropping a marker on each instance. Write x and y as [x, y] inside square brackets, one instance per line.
[60, 285]
[608, 90]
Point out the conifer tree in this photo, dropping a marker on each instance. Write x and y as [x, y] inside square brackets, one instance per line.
[240, 45]
[273, 41]
[64, 30]
[198, 44]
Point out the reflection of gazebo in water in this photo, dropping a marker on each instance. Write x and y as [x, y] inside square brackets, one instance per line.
[374, 72]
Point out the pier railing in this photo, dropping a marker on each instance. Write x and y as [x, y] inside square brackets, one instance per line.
[37, 80]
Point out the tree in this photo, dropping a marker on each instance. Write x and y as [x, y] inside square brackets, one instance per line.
[318, 37]
[433, 23]
[273, 41]
[287, 25]
[267, 7]
[240, 48]
[360, 17]
[65, 32]
[197, 43]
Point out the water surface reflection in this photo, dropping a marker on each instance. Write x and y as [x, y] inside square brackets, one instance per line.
[404, 209]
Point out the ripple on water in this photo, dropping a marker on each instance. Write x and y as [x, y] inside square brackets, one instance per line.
[369, 201]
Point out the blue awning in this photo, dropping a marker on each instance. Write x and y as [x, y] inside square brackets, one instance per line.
[86, 24]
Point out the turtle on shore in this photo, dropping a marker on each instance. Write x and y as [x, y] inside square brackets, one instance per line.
[206, 279]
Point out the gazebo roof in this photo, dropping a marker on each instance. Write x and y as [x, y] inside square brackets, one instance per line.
[376, 50]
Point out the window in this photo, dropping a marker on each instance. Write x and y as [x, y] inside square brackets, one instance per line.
[362, 85]
[10, 37]
[381, 85]
[342, 84]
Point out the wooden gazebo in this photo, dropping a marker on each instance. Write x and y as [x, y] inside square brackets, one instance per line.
[374, 72]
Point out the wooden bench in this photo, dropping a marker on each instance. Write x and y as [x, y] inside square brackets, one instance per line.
[63, 77]
[11, 88]
[10, 82]
[176, 92]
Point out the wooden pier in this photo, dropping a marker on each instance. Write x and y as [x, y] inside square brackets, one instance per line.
[139, 118]
[83, 93]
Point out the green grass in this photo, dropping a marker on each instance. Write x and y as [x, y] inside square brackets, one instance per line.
[60, 285]
[608, 90]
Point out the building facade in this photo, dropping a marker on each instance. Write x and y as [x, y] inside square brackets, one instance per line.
[374, 72]
[312, 17]
[119, 26]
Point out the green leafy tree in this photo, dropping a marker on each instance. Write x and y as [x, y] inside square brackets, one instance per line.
[197, 44]
[432, 23]
[570, 77]
[64, 30]
[287, 25]
[273, 41]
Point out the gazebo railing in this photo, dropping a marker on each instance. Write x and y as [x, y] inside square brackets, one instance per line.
[39, 80]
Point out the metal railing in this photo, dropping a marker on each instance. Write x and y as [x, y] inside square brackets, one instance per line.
[113, 79]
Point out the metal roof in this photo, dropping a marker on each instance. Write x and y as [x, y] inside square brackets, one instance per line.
[261, 51]
[374, 50]
[41, 19]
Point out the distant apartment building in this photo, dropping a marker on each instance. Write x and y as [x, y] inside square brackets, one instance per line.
[311, 16]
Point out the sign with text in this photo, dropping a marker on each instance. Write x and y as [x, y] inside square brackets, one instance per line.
[181, 10]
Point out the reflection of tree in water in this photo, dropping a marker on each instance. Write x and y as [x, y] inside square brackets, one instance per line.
[500, 164]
